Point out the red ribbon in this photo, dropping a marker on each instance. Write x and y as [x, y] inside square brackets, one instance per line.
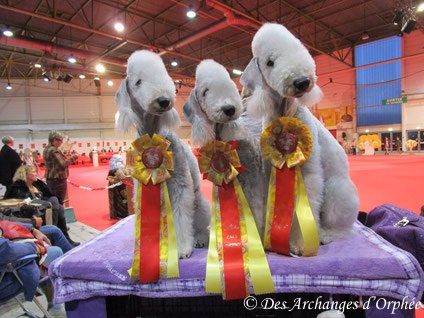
[283, 209]
[234, 278]
[150, 233]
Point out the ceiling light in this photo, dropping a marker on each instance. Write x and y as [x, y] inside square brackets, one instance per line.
[8, 86]
[119, 27]
[365, 36]
[110, 83]
[237, 72]
[81, 76]
[418, 127]
[7, 32]
[191, 13]
[390, 129]
[46, 77]
[72, 59]
[37, 65]
[100, 68]
[174, 63]
[367, 130]
[420, 7]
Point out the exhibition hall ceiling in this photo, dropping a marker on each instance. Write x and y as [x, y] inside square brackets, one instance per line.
[59, 37]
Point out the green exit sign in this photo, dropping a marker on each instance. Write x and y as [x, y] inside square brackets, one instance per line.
[393, 101]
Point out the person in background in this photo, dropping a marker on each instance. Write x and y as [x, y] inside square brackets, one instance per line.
[422, 211]
[27, 185]
[398, 144]
[28, 159]
[386, 145]
[9, 161]
[56, 163]
[118, 200]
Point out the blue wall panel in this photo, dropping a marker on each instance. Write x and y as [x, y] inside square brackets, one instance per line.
[369, 91]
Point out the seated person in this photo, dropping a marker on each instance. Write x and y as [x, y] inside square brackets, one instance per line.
[48, 243]
[27, 185]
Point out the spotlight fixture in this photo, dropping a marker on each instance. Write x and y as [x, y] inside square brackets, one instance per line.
[72, 59]
[37, 65]
[174, 63]
[365, 36]
[68, 78]
[46, 77]
[420, 7]
[7, 32]
[191, 13]
[408, 26]
[100, 68]
[367, 131]
[397, 19]
[81, 76]
[97, 81]
[418, 127]
[110, 83]
[237, 72]
[119, 27]
[390, 129]
[8, 86]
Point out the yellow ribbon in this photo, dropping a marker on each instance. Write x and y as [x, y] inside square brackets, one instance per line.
[255, 261]
[305, 218]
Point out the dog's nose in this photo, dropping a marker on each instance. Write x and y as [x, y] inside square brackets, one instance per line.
[163, 102]
[302, 84]
[228, 110]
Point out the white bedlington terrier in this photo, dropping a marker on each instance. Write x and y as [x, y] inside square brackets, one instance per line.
[213, 108]
[282, 79]
[145, 100]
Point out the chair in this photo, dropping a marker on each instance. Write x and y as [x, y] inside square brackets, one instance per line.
[13, 268]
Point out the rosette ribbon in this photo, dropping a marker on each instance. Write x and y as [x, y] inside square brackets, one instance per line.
[155, 246]
[236, 258]
[287, 144]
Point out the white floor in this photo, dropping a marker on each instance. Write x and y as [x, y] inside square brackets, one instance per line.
[79, 232]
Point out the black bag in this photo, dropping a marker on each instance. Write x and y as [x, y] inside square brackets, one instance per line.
[29, 210]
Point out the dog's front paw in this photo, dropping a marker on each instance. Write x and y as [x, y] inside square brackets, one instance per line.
[185, 252]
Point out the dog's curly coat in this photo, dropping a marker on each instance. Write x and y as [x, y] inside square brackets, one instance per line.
[282, 79]
[213, 108]
[145, 100]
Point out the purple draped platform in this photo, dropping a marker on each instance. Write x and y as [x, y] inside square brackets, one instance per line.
[363, 264]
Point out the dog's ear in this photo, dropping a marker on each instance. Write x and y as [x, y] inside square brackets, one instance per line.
[202, 129]
[252, 76]
[123, 117]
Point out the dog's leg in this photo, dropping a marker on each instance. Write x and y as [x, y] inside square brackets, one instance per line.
[201, 220]
[339, 210]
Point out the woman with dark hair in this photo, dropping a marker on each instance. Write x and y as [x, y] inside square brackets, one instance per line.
[27, 185]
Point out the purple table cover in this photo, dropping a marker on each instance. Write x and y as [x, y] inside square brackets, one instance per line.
[363, 265]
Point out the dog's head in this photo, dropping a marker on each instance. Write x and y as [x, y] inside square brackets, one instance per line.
[147, 89]
[281, 62]
[214, 99]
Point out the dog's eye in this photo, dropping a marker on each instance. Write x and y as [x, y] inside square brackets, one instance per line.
[205, 91]
[270, 63]
[138, 83]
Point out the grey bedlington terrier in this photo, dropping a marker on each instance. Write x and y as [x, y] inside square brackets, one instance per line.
[213, 108]
[145, 100]
[282, 79]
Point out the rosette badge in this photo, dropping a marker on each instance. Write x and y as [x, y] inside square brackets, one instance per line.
[219, 162]
[287, 143]
[155, 248]
[154, 162]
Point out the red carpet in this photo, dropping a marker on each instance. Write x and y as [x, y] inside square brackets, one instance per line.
[393, 179]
